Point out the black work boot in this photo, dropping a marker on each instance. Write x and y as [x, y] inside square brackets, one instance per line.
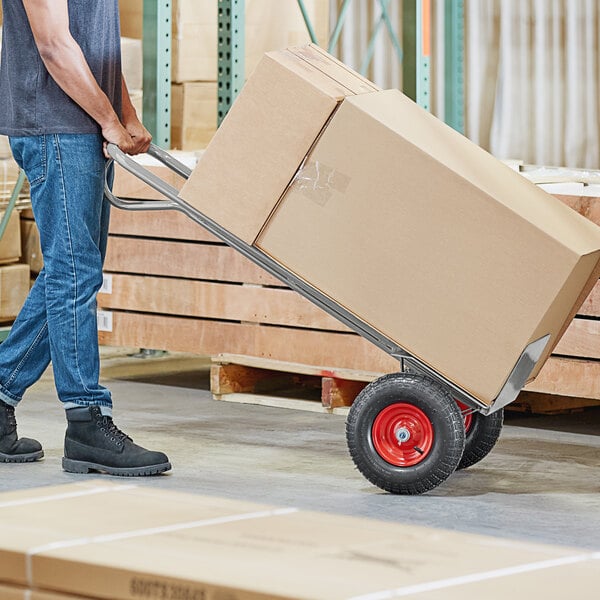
[94, 443]
[13, 449]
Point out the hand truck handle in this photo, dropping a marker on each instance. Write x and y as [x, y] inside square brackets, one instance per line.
[173, 201]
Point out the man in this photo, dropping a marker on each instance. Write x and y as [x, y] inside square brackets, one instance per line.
[62, 97]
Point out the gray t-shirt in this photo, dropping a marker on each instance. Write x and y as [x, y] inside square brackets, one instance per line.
[31, 103]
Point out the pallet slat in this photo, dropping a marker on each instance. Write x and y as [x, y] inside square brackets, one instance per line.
[183, 259]
[587, 206]
[207, 299]
[166, 224]
[568, 377]
[591, 306]
[337, 350]
[582, 339]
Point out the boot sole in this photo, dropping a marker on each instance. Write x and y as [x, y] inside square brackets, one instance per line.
[21, 458]
[79, 466]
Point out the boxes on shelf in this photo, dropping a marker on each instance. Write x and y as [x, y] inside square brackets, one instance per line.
[132, 18]
[31, 251]
[132, 62]
[14, 287]
[10, 242]
[454, 256]
[269, 25]
[193, 114]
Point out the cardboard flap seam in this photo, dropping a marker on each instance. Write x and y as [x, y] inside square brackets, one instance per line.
[113, 537]
[302, 58]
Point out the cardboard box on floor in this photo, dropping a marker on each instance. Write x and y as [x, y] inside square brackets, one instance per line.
[20, 593]
[118, 541]
[397, 217]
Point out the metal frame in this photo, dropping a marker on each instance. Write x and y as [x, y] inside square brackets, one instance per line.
[157, 50]
[515, 382]
[231, 45]
[454, 64]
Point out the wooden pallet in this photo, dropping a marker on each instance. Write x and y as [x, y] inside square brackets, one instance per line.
[247, 379]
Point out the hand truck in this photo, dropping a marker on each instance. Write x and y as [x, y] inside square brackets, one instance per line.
[407, 432]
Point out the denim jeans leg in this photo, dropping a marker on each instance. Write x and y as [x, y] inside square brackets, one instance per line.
[72, 215]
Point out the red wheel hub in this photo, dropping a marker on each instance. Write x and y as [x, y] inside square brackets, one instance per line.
[467, 415]
[402, 434]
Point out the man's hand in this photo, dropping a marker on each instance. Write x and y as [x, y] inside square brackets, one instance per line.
[115, 133]
[139, 134]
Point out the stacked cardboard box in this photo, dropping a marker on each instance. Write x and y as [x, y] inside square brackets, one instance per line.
[162, 544]
[269, 25]
[14, 277]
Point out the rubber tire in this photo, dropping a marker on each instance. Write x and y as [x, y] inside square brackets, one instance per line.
[481, 437]
[448, 428]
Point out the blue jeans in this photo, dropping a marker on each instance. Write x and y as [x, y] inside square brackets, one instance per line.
[58, 320]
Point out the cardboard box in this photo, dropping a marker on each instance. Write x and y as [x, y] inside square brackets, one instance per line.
[20, 593]
[132, 65]
[401, 220]
[132, 18]
[30, 243]
[266, 135]
[193, 114]
[161, 544]
[14, 287]
[10, 242]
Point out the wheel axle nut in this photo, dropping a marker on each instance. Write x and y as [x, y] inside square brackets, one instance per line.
[402, 435]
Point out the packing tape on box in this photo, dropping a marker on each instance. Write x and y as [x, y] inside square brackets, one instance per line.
[124, 535]
[317, 181]
[431, 586]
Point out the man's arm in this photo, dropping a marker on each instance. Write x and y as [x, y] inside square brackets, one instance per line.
[62, 56]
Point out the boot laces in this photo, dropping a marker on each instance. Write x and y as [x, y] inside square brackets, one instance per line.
[12, 420]
[113, 431]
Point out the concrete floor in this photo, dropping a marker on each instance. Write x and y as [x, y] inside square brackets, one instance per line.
[541, 482]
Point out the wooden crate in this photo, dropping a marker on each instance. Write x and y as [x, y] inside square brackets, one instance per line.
[174, 286]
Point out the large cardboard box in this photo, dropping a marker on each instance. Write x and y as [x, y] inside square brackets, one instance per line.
[151, 543]
[193, 114]
[14, 287]
[401, 220]
[10, 242]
